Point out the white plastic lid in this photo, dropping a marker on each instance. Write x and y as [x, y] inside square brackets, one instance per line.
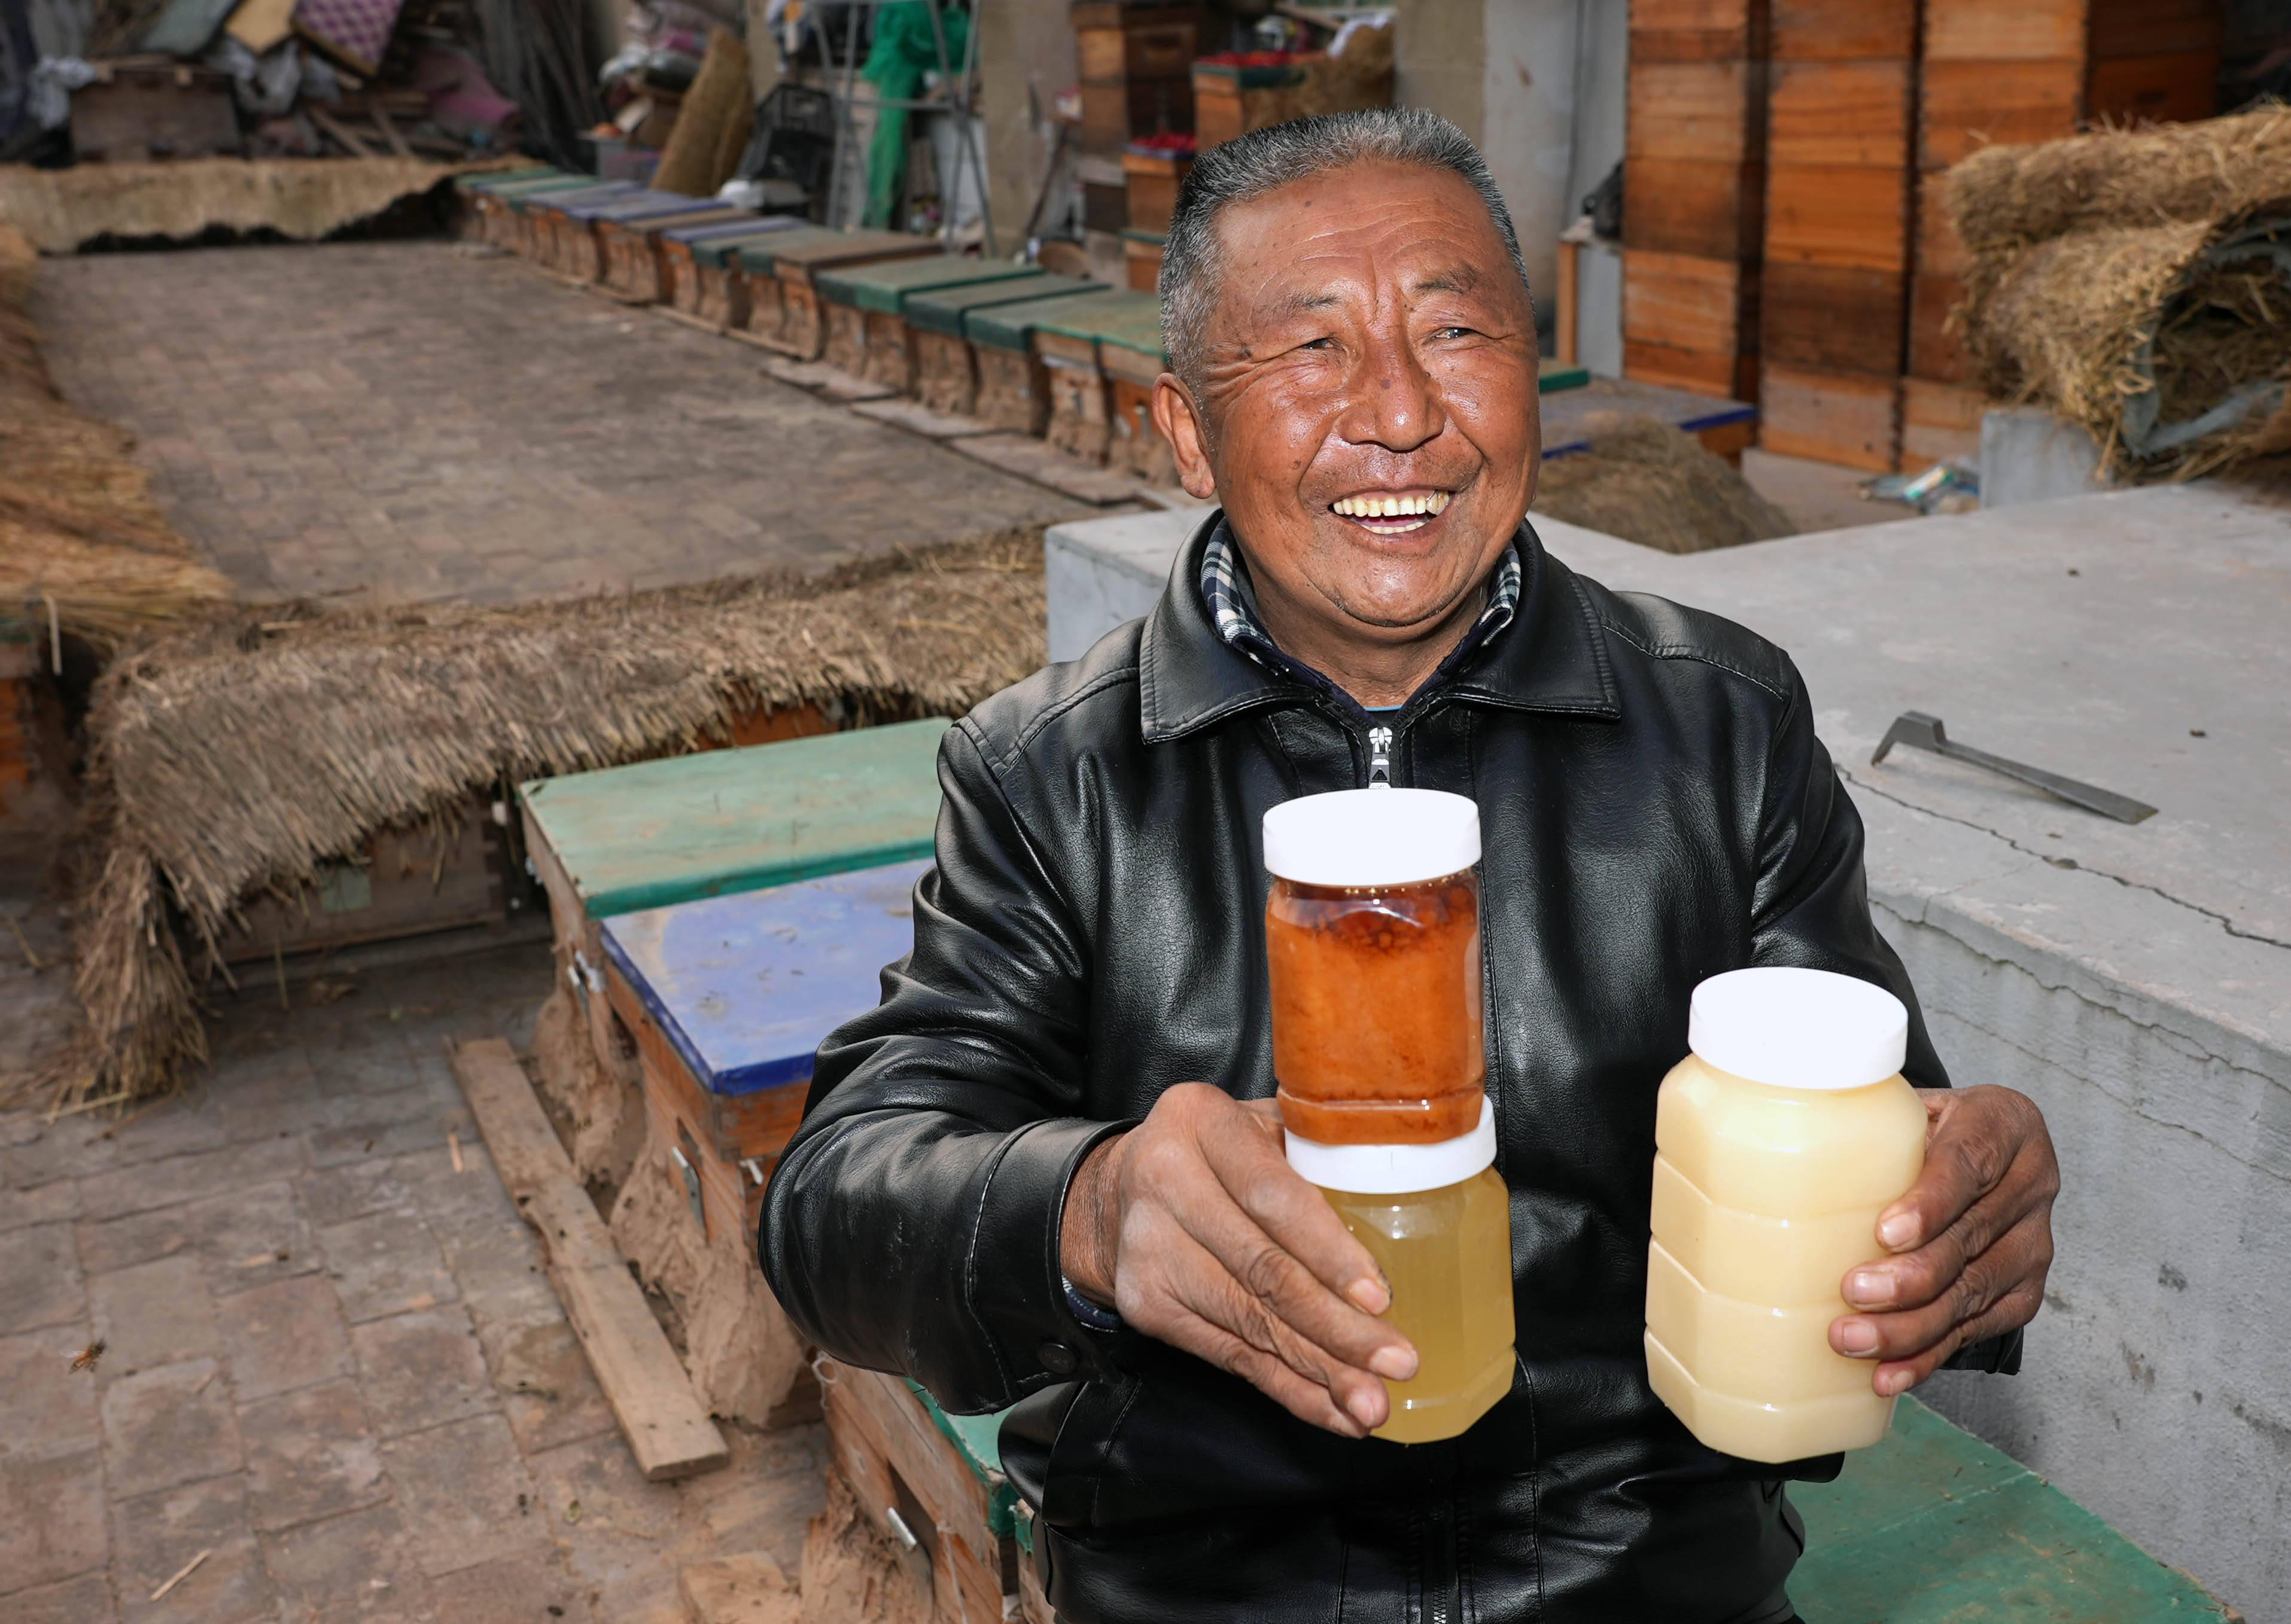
[1798, 1029]
[1396, 1170]
[1371, 837]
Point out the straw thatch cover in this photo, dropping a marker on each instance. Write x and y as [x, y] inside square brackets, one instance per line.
[2139, 283]
[83, 549]
[235, 754]
[302, 198]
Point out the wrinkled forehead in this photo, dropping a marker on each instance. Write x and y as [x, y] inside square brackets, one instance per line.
[1368, 235]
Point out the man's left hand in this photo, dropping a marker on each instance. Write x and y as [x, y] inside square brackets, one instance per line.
[1969, 1243]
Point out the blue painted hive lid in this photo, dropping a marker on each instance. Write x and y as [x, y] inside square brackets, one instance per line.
[747, 987]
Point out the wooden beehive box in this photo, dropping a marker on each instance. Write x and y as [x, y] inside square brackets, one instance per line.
[35, 782]
[730, 997]
[628, 241]
[939, 1478]
[565, 241]
[1013, 387]
[1151, 179]
[693, 267]
[1130, 355]
[867, 329]
[481, 201]
[751, 265]
[803, 319]
[946, 369]
[405, 882]
[1066, 341]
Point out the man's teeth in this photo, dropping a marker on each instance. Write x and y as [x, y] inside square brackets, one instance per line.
[1390, 507]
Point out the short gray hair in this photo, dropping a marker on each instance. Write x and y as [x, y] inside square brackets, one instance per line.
[1265, 160]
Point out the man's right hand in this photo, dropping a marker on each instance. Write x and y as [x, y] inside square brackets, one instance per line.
[1194, 1226]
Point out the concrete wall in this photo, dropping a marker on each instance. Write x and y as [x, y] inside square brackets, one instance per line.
[1026, 58]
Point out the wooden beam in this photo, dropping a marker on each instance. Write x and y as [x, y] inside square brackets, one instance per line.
[340, 132]
[380, 116]
[642, 1378]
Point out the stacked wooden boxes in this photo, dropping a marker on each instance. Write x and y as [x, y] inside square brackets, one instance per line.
[1990, 74]
[1237, 92]
[1066, 342]
[1136, 70]
[946, 366]
[1151, 174]
[867, 332]
[1694, 187]
[1834, 309]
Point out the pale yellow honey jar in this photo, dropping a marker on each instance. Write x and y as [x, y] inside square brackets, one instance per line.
[1778, 1140]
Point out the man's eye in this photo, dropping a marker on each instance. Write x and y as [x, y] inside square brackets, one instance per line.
[1452, 332]
[1318, 343]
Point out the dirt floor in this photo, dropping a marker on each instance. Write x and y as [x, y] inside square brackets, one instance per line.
[410, 418]
[330, 1360]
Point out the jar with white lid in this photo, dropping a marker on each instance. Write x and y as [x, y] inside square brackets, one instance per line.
[1373, 942]
[1780, 1140]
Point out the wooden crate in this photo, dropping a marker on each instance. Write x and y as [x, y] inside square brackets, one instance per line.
[1015, 388]
[1136, 67]
[1135, 445]
[867, 329]
[947, 367]
[1682, 322]
[803, 320]
[634, 250]
[1069, 342]
[2155, 60]
[1014, 391]
[685, 256]
[1150, 184]
[1141, 260]
[404, 882]
[953, 1502]
[946, 374]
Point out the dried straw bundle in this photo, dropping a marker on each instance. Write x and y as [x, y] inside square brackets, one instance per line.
[2139, 283]
[237, 753]
[1650, 483]
[81, 542]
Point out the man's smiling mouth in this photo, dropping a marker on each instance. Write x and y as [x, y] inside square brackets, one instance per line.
[1392, 512]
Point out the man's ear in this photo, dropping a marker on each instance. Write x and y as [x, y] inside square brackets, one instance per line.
[1179, 418]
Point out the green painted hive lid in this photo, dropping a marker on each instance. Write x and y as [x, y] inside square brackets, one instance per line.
[884, 287]
[725, 821]
[498, 180]
[720, 251]
[1012, 326]
[757, 256]
[940, 309]
[1132, 321]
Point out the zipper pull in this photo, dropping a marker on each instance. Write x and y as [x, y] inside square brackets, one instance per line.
[1379, 758]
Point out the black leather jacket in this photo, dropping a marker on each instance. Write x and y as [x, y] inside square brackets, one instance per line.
[1656, 810]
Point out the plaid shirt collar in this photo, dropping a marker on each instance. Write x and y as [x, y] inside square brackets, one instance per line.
[1232, 604]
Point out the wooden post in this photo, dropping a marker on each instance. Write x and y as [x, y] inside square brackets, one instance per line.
[1563, 317]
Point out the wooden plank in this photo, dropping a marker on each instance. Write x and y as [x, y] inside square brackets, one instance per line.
[2178, 89]
[1832, 417]
[1837, 214]
[1683, 206]
[1841, 30]
[1965, 106]
[2156, 28]
[1834, 317]
[1839, 113]
[2023, 30]
[1683, 300]
[1692, 110]
[1695, 30]
[1940, 252]
[1939, 421]
[645, 1382]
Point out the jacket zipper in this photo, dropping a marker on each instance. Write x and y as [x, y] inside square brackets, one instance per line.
[1379, 758]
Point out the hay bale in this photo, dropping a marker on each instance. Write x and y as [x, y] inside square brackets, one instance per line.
[1648, 482]
[2138, 282]
[237, 753]
[2004, 197]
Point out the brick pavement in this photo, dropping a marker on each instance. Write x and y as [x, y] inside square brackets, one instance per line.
[404, 418]
[331, 1362]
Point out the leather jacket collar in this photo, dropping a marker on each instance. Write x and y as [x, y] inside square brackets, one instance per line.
[1552, 659]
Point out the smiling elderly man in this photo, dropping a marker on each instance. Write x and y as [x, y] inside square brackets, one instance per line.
[1047, 1172]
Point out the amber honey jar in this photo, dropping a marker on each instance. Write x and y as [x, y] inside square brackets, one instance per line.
[1372, 949]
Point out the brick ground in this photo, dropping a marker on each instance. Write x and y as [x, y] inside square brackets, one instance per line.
[406, 418]
[333, 1361]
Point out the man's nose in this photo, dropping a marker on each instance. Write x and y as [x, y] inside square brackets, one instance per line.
[1391, 401]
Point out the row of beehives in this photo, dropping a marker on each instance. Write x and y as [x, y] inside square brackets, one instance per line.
[1014, 347]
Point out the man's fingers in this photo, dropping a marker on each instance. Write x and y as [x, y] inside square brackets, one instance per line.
[1975, 1137]
[1296, 1216]
[2013, 1310]
[2013, 1271]
[1309, 1400]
